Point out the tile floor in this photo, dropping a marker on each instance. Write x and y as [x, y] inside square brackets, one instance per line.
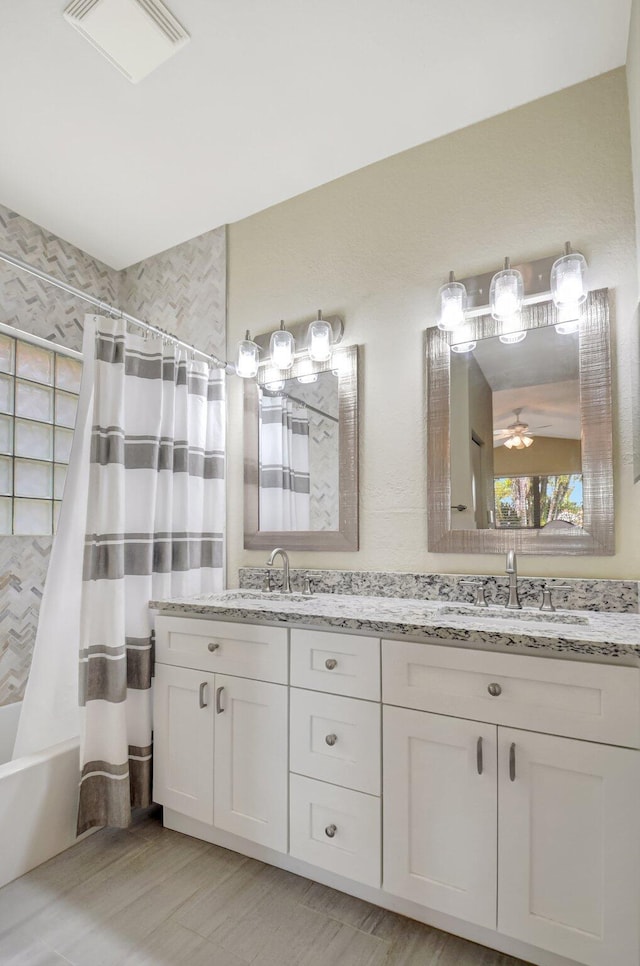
[151, 897]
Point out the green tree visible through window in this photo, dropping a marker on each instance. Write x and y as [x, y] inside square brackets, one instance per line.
[534, 501]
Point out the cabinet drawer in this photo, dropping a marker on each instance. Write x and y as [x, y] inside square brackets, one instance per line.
[336, 739]
[336, 829]
[245, 650]
[596, 702]
[337, 663]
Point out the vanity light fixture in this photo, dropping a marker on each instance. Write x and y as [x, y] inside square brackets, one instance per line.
[506, 293]
[282, 348]
[247, 357]
[569, 289]
[452, 302]
[319, 339]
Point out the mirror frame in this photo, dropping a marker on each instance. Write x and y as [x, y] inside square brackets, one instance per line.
[596, 537]
[345, 360]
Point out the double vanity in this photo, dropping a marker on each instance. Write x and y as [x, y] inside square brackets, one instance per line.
[475, 768]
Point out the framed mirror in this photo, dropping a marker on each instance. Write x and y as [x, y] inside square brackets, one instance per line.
[301, 455]
[519, 445]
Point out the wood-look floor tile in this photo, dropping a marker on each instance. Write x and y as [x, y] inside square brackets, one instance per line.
[113, 888]
[412, 943]
[347, 909]
[254, 888]
[111, 939]
[461, 952]
[348, 947]
[21, 947]
[173, 945]
[281, 938]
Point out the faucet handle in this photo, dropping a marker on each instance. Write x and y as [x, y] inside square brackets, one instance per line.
[306, 587]
[547, 590]
[479, 598]
[268, 582]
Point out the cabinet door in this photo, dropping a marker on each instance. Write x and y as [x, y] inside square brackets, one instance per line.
[183, 741]
[251, 760]
[568, 846]
[440, 801]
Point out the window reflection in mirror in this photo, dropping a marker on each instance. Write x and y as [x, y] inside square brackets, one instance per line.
[299, 453]
[516, 459]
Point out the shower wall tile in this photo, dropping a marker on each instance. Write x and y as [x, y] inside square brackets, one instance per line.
[36, 306]
[23, 568]
[182, 290]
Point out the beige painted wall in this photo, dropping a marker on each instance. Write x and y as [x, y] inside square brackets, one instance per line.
[546, 456]
[633, 83]
[375, 246]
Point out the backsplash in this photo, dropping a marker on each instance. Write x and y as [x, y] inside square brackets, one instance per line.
[614, 596]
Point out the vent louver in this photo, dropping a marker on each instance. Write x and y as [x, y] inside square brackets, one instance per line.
[136, 36]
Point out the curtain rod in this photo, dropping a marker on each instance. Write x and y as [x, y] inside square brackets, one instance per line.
[104, 306]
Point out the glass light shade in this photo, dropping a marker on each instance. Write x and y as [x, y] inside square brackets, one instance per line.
[506, 294]
[569, 280]
[512, 338]
[452, 302]
[462, 347]
[247, 358]
[568, 318]
[319, 338]
[282, 348]
[527, 440]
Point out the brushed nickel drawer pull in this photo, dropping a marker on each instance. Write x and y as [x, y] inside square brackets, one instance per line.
[219, 708]
[330, 663]
[213, 646]
[330, 831]
[512, 761]
[479, 761]
[201, 701]
[494, 690]
[331, 740]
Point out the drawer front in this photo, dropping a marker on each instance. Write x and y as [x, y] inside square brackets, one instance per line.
[245, 650]
[337, 663]
[336, 739]
[595, 702]
[336, 829]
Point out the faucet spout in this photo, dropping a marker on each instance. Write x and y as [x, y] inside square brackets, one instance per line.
[511, 569]
[286, 580]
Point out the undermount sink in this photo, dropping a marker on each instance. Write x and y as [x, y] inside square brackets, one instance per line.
[501, 613]
[264, 595]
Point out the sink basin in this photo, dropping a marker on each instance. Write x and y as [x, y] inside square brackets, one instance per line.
[263, 595]
[501, 613]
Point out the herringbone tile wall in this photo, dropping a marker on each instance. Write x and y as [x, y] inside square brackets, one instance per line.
[186, 283]
[182, 291]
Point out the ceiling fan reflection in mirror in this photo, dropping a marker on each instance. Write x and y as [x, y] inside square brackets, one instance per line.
[517, 435]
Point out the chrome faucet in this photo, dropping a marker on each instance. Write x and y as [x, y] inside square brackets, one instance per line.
[512, 571]
[286, 580]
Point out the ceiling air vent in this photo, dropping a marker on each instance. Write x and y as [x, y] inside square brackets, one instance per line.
[135, 35]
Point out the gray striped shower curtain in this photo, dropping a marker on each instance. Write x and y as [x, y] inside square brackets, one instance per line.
[285, 491]
[155, 522]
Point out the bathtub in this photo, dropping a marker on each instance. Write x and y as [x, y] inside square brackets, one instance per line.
[38, 800]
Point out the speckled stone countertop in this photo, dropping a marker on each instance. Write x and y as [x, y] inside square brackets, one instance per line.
[605, 637]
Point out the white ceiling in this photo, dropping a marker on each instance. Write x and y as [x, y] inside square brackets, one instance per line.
[269, 99]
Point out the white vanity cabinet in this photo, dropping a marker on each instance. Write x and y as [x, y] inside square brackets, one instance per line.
[335, 753]
[565, 875]
[220, 739]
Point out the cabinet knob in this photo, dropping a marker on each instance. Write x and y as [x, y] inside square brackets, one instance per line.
[330, 663]
[331, 739]
[213, 646]
[330, 831]
[494, 690]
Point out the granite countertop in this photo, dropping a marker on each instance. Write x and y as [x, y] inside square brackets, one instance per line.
[586, 635]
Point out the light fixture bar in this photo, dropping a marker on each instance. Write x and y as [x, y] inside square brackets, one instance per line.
[537, 285]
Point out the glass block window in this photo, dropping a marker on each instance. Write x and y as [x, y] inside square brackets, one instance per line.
[39, 390]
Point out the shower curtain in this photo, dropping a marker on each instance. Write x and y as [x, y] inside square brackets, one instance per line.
[145, 498]
[284, 464]
[155, 521]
